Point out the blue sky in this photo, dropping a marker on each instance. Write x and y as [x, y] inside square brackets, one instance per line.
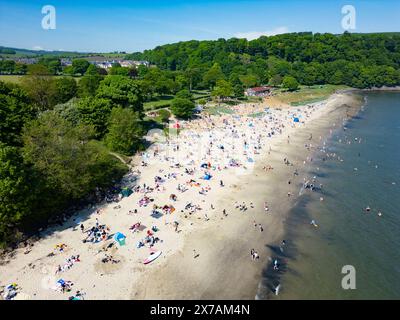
[122, 25]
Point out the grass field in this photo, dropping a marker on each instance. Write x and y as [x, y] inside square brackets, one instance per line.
[17, 79]
[307, 94]
[159, 102]
[164, 101]
[215, 110]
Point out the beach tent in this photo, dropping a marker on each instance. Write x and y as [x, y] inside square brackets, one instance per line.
[207, 177]
[126, 192]
[296, 119]
[120, 238]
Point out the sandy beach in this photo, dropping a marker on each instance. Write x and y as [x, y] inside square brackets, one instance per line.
[204, 198]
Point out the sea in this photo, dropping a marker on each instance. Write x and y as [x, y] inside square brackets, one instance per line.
[354, 251]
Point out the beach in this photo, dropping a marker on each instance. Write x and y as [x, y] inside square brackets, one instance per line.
[203, 198]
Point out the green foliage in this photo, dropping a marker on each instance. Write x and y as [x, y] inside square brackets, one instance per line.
[184, 94]
[41, 90]
[249, 80]
[65, 89]
[182, 108]
[348, 59]
[92, 70]
[222, 90]
[95, 112]
[164, 115]
[89, 84]
[202, 102]
[73, 165]
[79, 66]
[15, 111]
[213, 75]
[124, 131]
[290, 83]
[16, 194]
[52, 64]
[7, 66]
[121, 91]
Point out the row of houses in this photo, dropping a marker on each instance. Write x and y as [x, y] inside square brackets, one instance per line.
[124, 63]
[105, 63]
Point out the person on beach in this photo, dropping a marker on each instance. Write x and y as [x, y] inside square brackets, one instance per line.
[82, 228]
[283, 244]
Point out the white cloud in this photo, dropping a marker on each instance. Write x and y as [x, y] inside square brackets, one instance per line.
[38, 48]
[251, 35]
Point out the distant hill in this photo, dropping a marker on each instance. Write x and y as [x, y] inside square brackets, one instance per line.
[8, 52]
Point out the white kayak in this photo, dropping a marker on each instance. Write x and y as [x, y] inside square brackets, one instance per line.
[153, 256]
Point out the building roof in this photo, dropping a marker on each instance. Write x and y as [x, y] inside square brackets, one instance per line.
[260, 89]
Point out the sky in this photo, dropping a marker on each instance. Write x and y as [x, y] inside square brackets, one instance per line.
[123, 25]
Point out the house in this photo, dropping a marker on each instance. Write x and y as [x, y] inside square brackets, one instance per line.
[258, 91]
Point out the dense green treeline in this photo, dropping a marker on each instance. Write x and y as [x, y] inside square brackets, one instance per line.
[357, 60]
[57, 140]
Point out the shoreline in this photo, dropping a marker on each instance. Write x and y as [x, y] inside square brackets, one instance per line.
[176, 274]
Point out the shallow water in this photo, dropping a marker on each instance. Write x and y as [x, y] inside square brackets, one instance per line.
[369, 175]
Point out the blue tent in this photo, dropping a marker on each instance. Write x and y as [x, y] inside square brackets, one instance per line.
[120, 238]
[126, 192]
[296, 119]
[207, 177]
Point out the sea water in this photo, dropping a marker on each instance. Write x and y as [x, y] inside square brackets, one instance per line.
[365, 172]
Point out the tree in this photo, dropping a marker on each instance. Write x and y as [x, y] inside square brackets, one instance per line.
[164, 115]
[290, 83]
[184, 94]
[121, 91]
[15, 110]
[249, 80]
[51, 63]
[40, 86]
[202, 102]
[92, 70]
[222, 90]
[80, 66]
[95, 112]
[193, 76]
[71, 164]
[88, 85]
[182, 108]
[124, 131]
[213, 75]
[65, 89]
[275, 80]
[116, 69]
[7, 66]
[16, 192]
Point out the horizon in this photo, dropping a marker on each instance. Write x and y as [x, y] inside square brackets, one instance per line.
[135, 26]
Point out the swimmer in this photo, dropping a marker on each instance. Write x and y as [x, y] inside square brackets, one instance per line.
[314, 223]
